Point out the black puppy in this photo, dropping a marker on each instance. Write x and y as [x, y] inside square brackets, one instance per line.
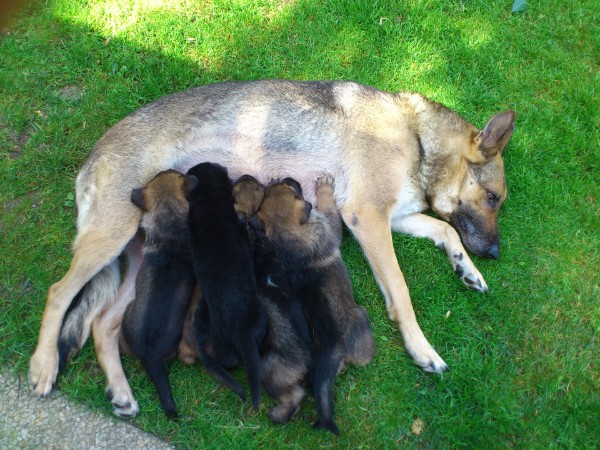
[230, 321]
[286, 351]
[153, 322]
[307, 243]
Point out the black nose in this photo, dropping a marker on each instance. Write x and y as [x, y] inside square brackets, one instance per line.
[493, 251]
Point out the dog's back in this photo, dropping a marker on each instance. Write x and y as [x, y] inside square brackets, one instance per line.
[222, 257]
[152, 324]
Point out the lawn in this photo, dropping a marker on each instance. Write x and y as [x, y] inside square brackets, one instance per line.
[524, 358]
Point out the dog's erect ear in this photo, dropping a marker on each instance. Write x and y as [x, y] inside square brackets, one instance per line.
[256, 223]
[189, 184]
[496, 133]
[137, 197]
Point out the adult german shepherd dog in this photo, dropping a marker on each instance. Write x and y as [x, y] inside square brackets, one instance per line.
[392, 155]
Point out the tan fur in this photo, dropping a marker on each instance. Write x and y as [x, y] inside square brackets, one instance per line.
[187, 351]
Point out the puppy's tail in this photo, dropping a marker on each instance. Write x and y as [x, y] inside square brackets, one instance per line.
[156, 370]
[248, 349]
[219, 373]
[325, 371]
[86, 305]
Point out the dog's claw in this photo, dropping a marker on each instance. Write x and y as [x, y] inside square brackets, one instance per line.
[43, 369]
[434, 367]
[468, 273]
[124, 405]
[325, 180]
[126, 411]
[424, 355]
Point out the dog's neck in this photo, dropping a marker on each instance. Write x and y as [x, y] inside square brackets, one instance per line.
[439, 159]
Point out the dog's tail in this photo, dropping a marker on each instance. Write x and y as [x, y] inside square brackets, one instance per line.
[248, 350]
[324, 373]
[219, 373]
[156, 370]
[86, 305]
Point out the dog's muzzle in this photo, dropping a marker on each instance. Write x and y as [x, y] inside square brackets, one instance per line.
[476, 233]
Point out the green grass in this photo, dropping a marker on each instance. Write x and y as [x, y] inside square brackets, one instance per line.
[524, 358]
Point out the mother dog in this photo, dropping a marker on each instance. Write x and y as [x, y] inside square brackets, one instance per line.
[393, 156]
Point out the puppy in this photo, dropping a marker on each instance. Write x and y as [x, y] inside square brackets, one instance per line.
[286, 351]
[230, 321]
[307, 242]
[248, 195]
[153, 322]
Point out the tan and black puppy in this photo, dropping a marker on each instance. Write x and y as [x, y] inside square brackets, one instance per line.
[307, 243]
[286, 351]
[153, 322]
[229, 320]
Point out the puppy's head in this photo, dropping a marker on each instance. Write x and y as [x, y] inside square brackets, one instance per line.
[168, 190]
[248, 194]
[211, 177]
[283, 207]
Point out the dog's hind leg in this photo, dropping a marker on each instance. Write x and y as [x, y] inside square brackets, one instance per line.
[107, 328]
[216, 370]
[373, 232]
[92, 299]
[282, 376]
[444, 237]
[94, 248]
[156, 370]
[325, 371]
[248, 350]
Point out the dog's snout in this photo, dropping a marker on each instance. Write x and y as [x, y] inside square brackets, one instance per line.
[493, 251]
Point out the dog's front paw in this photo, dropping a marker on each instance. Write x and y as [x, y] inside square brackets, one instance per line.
[468, 273]
[43, 369]
[124, 405]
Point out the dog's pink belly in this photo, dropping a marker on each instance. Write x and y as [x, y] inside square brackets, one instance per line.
[304, 167]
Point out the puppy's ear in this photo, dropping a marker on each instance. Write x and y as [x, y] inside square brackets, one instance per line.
[137, 198]
[190, 184]
[256, 223]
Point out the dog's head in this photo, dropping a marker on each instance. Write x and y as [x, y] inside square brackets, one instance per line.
[167, 191]
[283, 207]
[479, 186]
[248, 194]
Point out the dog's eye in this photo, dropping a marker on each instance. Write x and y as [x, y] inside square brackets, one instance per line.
[492, 198]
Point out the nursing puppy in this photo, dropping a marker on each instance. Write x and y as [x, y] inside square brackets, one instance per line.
[152, 324]
[248, 195]
[229, 320]
[286, 351]
[307, 242]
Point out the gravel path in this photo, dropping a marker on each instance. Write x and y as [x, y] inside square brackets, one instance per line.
[27, 422]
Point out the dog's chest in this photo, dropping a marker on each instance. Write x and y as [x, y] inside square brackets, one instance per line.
[410, 199]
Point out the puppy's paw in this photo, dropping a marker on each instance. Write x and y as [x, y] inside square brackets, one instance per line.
[325, 181]
[186, 353]
[283, 413]
[468, 273]
[124, 405]
[43, 369]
